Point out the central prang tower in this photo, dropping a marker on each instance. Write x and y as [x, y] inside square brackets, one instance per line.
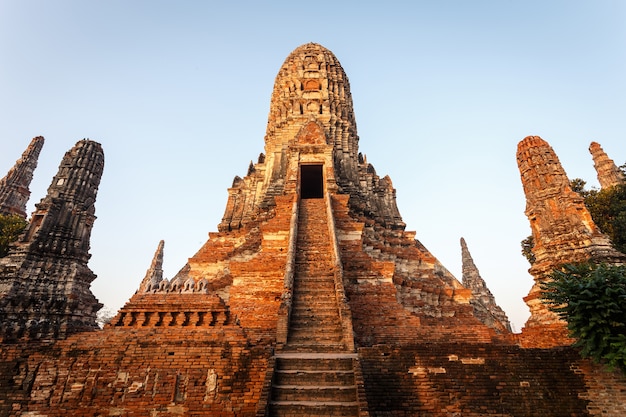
[311, 144]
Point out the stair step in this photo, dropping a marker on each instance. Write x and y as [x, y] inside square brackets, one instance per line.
[301, 377]
[312, 347]
[312, 340]
[317, 321]
[304, 293]
[335, 393]
[314, 408]
[321, 333]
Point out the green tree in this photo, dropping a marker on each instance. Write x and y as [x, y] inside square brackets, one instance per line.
[527, 249]
[592, 299]
[608, 211]
[578, 185]
[11, 225]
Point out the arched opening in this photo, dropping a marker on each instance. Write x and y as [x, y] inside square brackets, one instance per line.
[311, 181]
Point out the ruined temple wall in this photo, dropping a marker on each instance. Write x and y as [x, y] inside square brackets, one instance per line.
[158, 372]
[448, 378]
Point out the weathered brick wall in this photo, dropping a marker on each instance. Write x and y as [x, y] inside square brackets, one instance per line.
[606, 390]
[437, 380]
[136, 372]
[397, 290]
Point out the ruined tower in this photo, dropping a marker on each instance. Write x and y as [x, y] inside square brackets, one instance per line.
[44, 280]
[609, 174]
[483, 301]
[14, 192]
[561, 225]
[154, 274]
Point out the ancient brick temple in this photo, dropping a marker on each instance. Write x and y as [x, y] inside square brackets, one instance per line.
[311, 299]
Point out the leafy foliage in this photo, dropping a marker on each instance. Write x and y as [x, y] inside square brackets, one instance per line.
[608, 211]
[527, 249]
[11, 225]
[592, 299]
[578, 185]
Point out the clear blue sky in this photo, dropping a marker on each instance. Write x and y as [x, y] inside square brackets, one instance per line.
[178, 94]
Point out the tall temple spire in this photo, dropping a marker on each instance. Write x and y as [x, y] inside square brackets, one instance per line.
[561, 225]
[484, 303]
[14, 192]
[154, 274]
[45, 281]
[312, 85]
[609, 174]
[311, 122]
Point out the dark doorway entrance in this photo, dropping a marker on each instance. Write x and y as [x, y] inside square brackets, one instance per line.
[311, 181]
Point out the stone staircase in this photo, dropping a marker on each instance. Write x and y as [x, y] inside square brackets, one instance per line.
[314, 373]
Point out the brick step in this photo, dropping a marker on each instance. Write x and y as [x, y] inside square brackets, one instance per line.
[314, 324]
[323, 309]
[299, 377]
[314, 264]
[325, 306]
[314, 317]
[304, 305]
[315, 285]
[314, 300]
[319, 333]
[314, 260]
[314, 295]
[313, 273]
[328, 348]
[314, 270]
[317, 315]
[313, 409]
[304, 279]
[314, 361]
[311, 330]
[318, 289]
[335, 393]
[311, 320]
[315, 340]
